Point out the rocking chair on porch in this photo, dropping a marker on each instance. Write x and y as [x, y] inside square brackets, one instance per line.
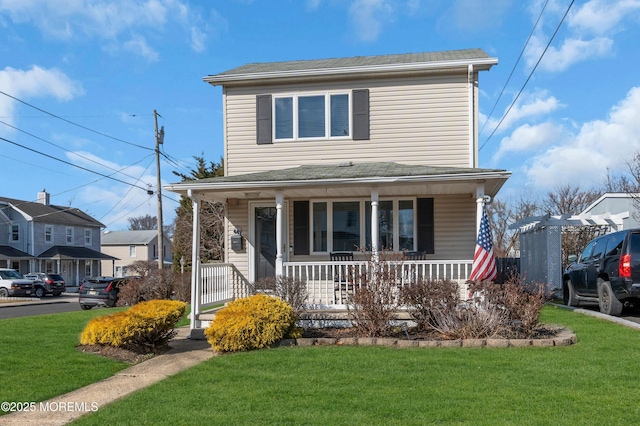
[342, 275]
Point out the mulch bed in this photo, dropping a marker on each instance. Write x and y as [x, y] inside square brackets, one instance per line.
[121, 354]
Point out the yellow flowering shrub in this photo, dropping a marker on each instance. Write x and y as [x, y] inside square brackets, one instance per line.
[144, 326]
[251, 323]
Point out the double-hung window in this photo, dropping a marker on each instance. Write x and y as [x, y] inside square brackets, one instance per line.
[317, 116]
[87, 237]
[15, 233]
[48, 234]
[69, 235]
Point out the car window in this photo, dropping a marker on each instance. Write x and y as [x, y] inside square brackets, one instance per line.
[586, 253]
[56, 277]
[10, 274]
[99, 284]
[601, 245]
[615, 243]
[634, 243]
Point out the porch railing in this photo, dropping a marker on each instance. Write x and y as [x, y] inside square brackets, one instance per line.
[328, 283]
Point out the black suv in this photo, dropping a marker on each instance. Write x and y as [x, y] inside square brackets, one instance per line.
[99, 291]
[607, 272]
[44, 283]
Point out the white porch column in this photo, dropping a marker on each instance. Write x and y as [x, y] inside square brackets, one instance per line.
[375, 226]
[195, 263]
[479, 205]
[279, 231]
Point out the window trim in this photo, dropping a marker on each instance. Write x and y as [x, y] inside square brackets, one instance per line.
[87, 233]
[67, 235]
[363, 228]
[50, 234]
[327, 115]
[16, 233]
[133, 250]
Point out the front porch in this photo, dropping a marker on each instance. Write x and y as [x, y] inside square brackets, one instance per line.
[326, 283]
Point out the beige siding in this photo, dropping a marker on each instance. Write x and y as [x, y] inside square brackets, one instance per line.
[415, 121]
[238, 217]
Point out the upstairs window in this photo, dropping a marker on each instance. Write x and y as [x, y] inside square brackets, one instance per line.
[15, 233]
[132, 251]
[48, 234]
[69, 235]
[343, 115]
[316, 116]
[87, 237]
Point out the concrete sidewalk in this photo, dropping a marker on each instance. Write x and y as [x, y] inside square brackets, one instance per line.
[184, 353]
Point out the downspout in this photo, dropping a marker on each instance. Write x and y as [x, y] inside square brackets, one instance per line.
[473, 161]
[195, 265]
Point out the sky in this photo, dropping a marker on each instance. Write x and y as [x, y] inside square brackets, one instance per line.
[80, 81]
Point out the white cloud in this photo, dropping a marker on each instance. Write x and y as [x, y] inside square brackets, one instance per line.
[138, 46]
[34, 82]
[368, 17]
[530, 105]
[591, 30]
[600, 145]
[527, 138]
[107, 20]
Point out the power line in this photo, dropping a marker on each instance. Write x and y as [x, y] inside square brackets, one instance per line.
[529, 77]
[526, 43]
[74, 123]
[64, 149]
[71, 164]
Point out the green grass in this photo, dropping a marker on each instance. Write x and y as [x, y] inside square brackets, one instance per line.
[593, 382]
[39, 360]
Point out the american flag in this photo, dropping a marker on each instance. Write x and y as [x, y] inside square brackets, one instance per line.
[484, 262]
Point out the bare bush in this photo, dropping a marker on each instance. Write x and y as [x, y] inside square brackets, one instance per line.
[521, 303]
[427, 299]
[375, 300]
[477, 320]
[155, 285]
[288, 289]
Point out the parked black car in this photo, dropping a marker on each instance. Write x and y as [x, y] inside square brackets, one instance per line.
[44, 283]
[607, 272]
[99, 291]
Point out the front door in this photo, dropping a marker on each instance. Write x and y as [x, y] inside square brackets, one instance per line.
[265, 242]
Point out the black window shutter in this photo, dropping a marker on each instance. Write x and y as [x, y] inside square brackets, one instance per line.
[263, 119]
[426, 237]
[300, 227]
[361, 114]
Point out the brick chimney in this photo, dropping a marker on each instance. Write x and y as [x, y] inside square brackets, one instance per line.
[43, 197]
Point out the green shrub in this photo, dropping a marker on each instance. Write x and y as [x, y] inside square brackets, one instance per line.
[253, 322]
[144, 327]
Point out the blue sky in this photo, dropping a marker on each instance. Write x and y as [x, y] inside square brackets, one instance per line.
[95, 70]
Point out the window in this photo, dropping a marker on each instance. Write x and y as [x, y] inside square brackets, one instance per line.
[87, 268]
[132, 251]
[319, 115]
[48, 234]
[87, 237]
[69, 235]
[404, 224]
[15, 233]
[314, 116]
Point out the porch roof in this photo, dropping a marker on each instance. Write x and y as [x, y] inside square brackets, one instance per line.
[7, 252]
[71, 252]
[345, 179]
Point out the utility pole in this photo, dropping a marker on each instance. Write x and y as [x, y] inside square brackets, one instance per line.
[159, 140]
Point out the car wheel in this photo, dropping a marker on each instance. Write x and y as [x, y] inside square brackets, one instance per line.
[39, 292]
[568, 294]
[609, 303]
[86, 307]
[4, 292]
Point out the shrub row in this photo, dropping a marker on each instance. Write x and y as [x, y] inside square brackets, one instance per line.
[253, 322]
[143, 327]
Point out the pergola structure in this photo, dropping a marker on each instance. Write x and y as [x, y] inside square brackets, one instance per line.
[541, 243]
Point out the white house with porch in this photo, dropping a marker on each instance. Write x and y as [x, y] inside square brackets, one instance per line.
[344, 155]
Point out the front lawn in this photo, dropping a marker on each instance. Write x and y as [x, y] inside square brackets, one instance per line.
[592, 382]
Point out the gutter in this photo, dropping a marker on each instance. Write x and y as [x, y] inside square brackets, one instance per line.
[484, 63]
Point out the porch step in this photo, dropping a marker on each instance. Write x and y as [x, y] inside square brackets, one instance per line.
[340, 314]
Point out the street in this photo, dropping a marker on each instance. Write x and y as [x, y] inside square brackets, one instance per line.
[47, 305]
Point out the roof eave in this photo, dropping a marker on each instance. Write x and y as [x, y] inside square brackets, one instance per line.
[480, 64]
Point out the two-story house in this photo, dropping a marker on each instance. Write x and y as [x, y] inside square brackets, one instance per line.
[314, 149]
[36, 236]
[131, 246]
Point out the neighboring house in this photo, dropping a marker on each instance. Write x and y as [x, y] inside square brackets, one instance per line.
[41, 237]
[615, 203]
[130, 246]
[314, 149]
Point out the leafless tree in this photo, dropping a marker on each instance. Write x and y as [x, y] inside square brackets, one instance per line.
[211, 220]
[143, 223]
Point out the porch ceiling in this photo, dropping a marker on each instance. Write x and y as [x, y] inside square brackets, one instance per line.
[346, 180]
